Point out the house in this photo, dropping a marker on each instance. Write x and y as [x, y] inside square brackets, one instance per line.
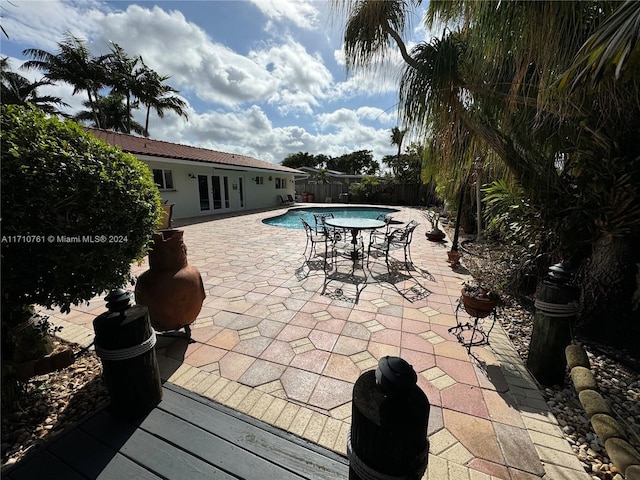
[203, 182]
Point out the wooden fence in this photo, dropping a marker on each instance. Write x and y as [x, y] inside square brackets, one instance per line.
[400, 194]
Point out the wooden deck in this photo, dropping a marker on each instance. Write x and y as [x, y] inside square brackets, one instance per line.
[186, 437]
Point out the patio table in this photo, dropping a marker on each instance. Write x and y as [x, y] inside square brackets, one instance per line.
[355, 225]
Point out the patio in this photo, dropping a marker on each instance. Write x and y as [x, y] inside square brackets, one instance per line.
[269, 345]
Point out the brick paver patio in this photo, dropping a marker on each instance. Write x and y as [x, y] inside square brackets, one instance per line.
[269, 344]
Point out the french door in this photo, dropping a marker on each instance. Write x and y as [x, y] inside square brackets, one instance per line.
[214, 193]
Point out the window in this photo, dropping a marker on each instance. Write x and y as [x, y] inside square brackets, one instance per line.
[259, 180]
[163, 178]
[281, 183]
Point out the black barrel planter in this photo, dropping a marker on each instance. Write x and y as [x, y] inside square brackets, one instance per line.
[124, 342]
[390, 416]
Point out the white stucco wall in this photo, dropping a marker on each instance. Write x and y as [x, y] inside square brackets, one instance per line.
[185, 192]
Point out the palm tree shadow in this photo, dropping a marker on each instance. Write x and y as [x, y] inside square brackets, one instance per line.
[493, 373]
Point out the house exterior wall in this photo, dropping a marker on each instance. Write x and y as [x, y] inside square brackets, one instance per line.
[187, 176]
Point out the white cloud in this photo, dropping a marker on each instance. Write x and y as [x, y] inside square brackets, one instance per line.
[301, 78]
[173, 46]
[250, 132]
[263, 103]
[302, 14]
[283, 74]
[40, 24]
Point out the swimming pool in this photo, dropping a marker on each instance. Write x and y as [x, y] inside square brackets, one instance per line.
[291, 219]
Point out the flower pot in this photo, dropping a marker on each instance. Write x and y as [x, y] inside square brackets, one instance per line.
[454, 258]
[478, 304]
[435, 235]
[171, 289]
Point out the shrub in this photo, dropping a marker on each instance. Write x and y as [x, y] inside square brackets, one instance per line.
[75, 212]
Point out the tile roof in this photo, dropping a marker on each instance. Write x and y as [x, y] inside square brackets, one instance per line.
[158, 148]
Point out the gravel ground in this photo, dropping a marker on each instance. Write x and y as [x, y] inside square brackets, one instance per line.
[51, 404]
[618, 375]
[55, 402]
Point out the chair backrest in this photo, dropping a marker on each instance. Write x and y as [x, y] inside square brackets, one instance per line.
[320, 219]
[290, 198]
[165, 219]
[306, 226]
[386, 218]
[311, 233]
[403, 235]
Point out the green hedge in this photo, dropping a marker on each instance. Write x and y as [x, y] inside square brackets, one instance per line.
[76, 212]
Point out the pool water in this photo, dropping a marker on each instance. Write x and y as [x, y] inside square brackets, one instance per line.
[291, 219]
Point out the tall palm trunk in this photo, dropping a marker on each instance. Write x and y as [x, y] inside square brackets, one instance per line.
[609, 280]
[94, 108]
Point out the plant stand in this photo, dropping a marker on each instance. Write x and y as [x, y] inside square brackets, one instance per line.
[473, 333]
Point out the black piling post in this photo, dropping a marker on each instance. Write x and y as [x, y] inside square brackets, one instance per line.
[390, 416]
[124, 342]
[556, 309]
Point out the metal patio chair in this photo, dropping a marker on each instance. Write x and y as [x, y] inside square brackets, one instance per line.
[314, 238]
[395, 239]
[377, 236]
[335, 235]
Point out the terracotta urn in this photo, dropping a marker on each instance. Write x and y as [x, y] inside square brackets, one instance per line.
[171, 289]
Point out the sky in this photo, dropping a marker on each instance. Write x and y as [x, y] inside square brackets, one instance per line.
[264, 78]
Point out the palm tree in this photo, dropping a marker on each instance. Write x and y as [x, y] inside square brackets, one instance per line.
[124, 78]
[397, 136]
[18, 90]
[154, 93]
[73, 64]
[115, 114]
[489, 88]
[612, 48]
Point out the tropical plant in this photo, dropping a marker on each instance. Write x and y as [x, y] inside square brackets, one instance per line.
[156, 95]
[433, 217]
[76, 213]
[613, 48]
[490, 86]
[125, 80]
[74, 65]
[18, 90]
[397, 137]
[113, 114]
[322, 176]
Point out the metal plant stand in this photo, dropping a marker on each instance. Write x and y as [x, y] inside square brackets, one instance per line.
[477, 326]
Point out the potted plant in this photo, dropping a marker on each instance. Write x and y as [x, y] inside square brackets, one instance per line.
[454, 257]
[435, 234]
[478, 301]
[76, 214]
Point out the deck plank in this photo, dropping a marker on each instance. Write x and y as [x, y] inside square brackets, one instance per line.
[88, 455]
[122, 467]
[185, 437]
[213, 449]
[168, 461]
[43, 465]
[263, 440]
